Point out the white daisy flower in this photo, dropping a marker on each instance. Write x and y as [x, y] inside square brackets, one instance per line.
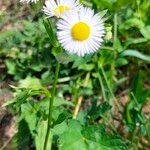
[81, 32]
[58, 7]
[28, 1]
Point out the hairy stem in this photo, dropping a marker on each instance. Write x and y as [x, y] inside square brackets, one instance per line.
[51, 106]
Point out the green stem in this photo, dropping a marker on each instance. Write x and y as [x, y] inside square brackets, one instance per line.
[115, 26]
[51, 106]
[109, 88]
[101, 83]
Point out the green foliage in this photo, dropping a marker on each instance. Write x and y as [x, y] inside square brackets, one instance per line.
[120, 69]
[88, 137]
[40, 136]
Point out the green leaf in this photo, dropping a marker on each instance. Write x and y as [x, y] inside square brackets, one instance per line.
[78, 61]
[87, 67]
[103, 13]
[101, 109]
[72, 139]
[49, 28]
[30, 83]
[135, 53]
[132, 41]
[9, 102]
[121, 62]
[11, 66]
[60, 101]
[88, 138]
[60, 128]
[40, 136]
[118, 46]
[28, 113]
[97, 138]
[146, 32]
[63, 58]
[23, 136]
[133, 22]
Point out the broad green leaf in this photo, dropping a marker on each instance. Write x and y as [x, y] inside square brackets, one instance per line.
[11, 66]
[135, 53]
[88, 138]
[30, 83]
[97, 138]
[28, 113]
[60, 128]
[60, 101]
[72, 139]
[40, 136]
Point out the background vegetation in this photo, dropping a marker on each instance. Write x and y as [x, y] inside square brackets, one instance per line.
[111, 86]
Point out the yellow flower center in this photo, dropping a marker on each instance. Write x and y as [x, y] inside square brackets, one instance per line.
[61, 9]
[80, 31]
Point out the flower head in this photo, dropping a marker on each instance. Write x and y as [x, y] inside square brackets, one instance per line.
[81, 32]
[59, 7]
[28, 1]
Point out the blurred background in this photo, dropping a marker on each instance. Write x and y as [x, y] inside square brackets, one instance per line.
[120, 70]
